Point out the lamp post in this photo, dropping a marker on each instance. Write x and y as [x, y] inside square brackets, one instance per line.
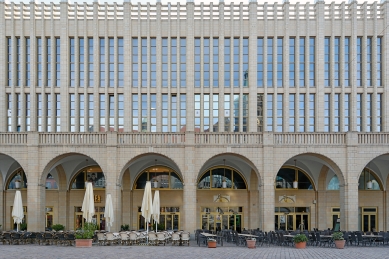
[295, 183]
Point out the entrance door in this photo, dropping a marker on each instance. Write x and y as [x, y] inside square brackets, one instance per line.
[169, 219]
[292, 218]
[97, 219]
[369, 219]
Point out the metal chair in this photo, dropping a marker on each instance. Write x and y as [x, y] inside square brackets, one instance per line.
[185, 237]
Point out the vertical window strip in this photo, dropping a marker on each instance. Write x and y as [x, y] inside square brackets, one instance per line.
[58, 112]
[91, 108]
[197, 62]
[72, 99]
[102, 63]
[206, 113]
[28, 62]
[301, 112]
[19, 111]
[236, 114]
[197, 118]
[120, 60]
[327, 113]
[336, 113]
[369, 111]
[245, 112]
[165, 113]
[173, 63]
[369, 61]
[111, 62]
[215, 68]
[102, 112]
[145, 118]
[173, 116]
[135, 113]
[302, 62]
[359, 112]
[48, 113]
[165, 61]
[311, 113]
[292, 112]
[359, 61]
[327, 61]
[269, 112]
[337, 61]
[206, 62]
[245, 62]
[183, 62]
[9, 112]
[121, 112]
[153, 62]
[81, 64]
[215, 113]
[236, 72]
[227, 108]
[28, 112]
[183, 112]
[153, 113]
[227, 62]
[144, 62]
[57, 62]
[270, 62]
[18, 62]
[135, 64]
[379, 61]
[347, 63]
[260, 64]
[39, 106]
[9, 61]
[346, 110]
[259, 112]
[81, 100]
[48, 62]
[292, 60]
[312, 61]
[279, 113]
[111, 108]
[72, 62]
[379, 112]
[39, 69]
[280, 62]
[91, 77]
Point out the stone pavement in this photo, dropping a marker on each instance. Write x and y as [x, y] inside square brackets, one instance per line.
[193, 251]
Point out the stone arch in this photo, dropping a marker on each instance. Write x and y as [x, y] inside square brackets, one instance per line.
[148, 159]
[377, 163]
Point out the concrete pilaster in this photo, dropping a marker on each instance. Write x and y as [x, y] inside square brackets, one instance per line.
[267, 193]
[190, 186]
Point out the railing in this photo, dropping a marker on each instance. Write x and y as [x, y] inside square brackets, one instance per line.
[72, 138]
[13, 138]
[229, 138]
[309, 138]
[151, 138]
[373, 138]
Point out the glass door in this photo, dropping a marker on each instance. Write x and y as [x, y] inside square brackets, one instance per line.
[369, 219]
[49, 217]
[97, 219]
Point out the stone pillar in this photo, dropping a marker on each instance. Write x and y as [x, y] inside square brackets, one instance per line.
[267, 194]
[62, 208]
[190, 186]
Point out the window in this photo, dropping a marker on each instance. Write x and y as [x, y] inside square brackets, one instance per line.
[28, 62]
[227, 108]
[81, 64]
[111, 107]
[333, 184]
[292, 60]
[312, 49]
[40, 115]
[269, 121]
[165, 113]
[235, 58]
[301, 112]
[135, 62]
[369, 113]
[379, 61]
[164, 177]
[57, 62]
[102, 62]
[153, 112]
[245, 71]
[72, 62]
[183, 62]
[236, 114]
[259, 112]
[72, 99]
[90, 62]
[347, 61]
[135, 113]
[92, 174]
[288, 175]
[327, 113]
[302, 62]
[39, 62]
[245, 107]
[121, 112]
[28, 112]
[227, 62]
[215, 60]
[19, 111]
[91, 109]
[48, 62]
[213, 179]
[336, 113]
[197, 118]
[206, 62]
[279, 120]
[173, 114]
[111, 62]
[379, 112]
[346, 110]
[269, 62]
[292, 112]
[359, 61]
[369, 61]
[58, 112]
[102, 112]
[260, 62]
[144, 69]
[9, 61]
[18, 180]
[81, 99]
[197, 62]
[145, 118]
[311, 113]
[153, 62]
[183, 112]
[18, 62]
[337, 61]
[280, 62]
[9, 112]
[368, 180]
[51, 183]
[215, 113]
[359, 112]
[49, 113]
[327, 61]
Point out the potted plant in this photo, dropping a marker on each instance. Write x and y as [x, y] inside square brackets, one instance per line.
[85, 235]
[339, 240]
[125, 227]
[300, 241]
[23, 226]
[251, 242]
[58, 227]
[211, 243]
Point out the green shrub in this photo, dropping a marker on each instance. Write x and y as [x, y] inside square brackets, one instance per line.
[87, 232]
[23, 226]
[300, 238]
[337, 236]
[58, 227]
[125, 227]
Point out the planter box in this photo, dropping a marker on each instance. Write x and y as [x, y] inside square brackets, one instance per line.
[83, 242]
[251, 243]
[211, 244]
[300, 245]
[340, 244]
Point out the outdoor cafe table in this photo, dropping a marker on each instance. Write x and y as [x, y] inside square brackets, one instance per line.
[208, 235]
[247, 235]
[371, 238]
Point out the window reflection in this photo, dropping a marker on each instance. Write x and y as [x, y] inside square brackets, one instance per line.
[287, 175]
[18, 180]
[160, 176]
[214, 178]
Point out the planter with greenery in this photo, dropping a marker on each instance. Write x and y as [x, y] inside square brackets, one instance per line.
[125, 227]
[338, 240]
[85, 235]
[211, 243]
[300, 241]
[58, 227]
[23, 226]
